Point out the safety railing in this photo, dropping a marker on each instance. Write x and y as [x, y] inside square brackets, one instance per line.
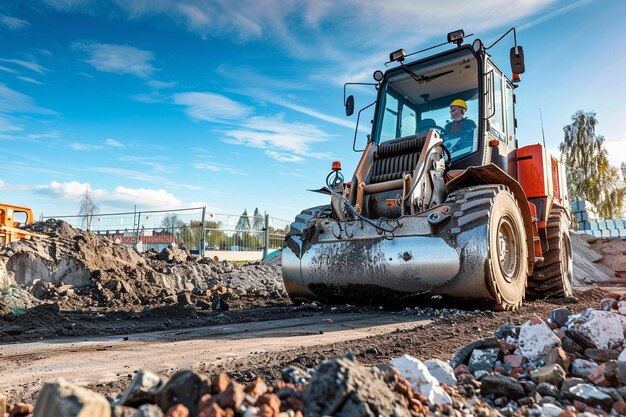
[195, 228]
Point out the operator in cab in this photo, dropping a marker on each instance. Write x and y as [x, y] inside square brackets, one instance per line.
[460, 129]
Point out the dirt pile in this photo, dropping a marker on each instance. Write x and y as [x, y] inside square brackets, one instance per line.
[76, 270]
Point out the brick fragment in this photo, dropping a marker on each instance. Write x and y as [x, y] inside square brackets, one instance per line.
[219, 383]
[177, 410]
[212, 410]
[597, 376]
[515, 361]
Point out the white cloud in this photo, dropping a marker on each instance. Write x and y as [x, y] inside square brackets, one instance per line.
[311, 29]
[33, 66]
[553, 14]
[52, 134]
[14, 188]
[195, 17]
[13, 23]
[85, 147]
[7, 125]
[143, 198]
[65, 190]
[113, 143]
[302, 109]
[118, 59]
[149, 162]
[153, 97]
[30, 80]
[217, 167]
[282, 139]
[71, 5]
[156, 84]
[9, 70]
[12, 101]
[211, 107]
[129, 174]
[284, 157]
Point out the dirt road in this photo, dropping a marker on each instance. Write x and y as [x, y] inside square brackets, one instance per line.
[103, 360]
[245, 350]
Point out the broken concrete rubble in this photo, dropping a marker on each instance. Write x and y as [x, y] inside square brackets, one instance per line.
[441, 370]
[597, 329]
[416, 372]
[61, 398]
[142, 389]
[536, 339]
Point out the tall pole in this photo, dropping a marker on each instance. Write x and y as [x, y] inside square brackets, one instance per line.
[203, 233]
[138, 228]
[266, 235]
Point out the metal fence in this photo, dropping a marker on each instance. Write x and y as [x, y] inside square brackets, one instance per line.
[194, 228]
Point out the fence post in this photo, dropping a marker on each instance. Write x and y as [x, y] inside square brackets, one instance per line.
[138, 228]
[202, 233]
[266, 236]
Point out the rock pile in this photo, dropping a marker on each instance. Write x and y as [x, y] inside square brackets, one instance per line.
[77, 269]
[567, 365]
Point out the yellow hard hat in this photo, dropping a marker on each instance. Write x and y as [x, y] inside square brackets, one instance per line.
[460, 103]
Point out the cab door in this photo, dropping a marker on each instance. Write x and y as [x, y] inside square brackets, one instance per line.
[500, 128]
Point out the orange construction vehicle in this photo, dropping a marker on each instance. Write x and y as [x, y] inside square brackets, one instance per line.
[11, 218]
[443, 201]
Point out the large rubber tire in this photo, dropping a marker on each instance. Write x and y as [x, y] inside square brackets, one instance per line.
[507, 269]
[553, 277]
[508, 253]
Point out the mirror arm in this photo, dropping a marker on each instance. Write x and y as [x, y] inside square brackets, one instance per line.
[356, 128]
[347, 84]
[500, 38]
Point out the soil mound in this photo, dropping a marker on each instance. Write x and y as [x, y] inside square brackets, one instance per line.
[79, 270]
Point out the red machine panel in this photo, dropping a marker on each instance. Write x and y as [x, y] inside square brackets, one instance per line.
[531, 171]
[541, 175]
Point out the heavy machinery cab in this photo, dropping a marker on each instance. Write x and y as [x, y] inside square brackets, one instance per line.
[415, 97]
[403, 169]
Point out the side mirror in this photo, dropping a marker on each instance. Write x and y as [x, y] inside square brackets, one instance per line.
[517, 60]
[349, 105]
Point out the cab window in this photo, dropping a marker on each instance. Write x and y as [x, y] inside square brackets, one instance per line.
[417, 97]
[496, 122]
[510, 112]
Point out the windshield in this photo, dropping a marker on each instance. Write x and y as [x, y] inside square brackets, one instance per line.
[417, 98]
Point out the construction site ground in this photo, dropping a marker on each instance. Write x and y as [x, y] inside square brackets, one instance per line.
[115, 311]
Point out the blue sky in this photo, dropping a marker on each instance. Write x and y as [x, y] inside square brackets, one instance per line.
[169, 104]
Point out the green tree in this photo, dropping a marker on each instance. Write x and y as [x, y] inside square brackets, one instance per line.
[171, 224]
[191, 234]
[215, 235]
[590, 176]
[243, 224]
[243, 230]
[258, 221]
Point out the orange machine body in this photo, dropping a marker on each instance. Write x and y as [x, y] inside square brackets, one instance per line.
[542, 177]
[11, 218]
